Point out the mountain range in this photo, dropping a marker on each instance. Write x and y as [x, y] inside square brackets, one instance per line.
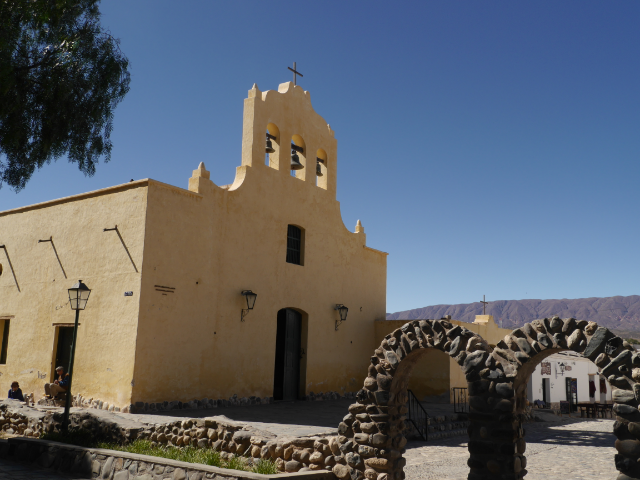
[619, 314]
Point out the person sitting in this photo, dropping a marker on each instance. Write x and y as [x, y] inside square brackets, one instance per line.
[15, 393]
[60, 385]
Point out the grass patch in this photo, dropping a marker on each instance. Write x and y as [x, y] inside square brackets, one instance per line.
[205, 456]
[265, 467]
[186, 454]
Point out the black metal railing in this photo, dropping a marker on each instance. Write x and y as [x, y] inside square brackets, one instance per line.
[460, 404]
[418, 416]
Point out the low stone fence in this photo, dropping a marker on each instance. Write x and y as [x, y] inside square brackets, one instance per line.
[290, 454]
[115, 465]
[20, 421]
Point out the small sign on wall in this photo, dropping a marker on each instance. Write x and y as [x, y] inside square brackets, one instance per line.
[128, 294]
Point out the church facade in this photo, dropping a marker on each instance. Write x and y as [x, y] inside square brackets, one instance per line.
[174, 271]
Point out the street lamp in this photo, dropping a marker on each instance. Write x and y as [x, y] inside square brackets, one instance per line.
[78, 296]
[342, 310]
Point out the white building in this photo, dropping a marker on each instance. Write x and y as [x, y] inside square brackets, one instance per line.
[563, 375]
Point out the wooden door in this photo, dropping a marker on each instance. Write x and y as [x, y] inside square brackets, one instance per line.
[291, 378]
[286, 378]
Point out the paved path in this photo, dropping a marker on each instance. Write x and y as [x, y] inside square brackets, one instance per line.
[571, 450]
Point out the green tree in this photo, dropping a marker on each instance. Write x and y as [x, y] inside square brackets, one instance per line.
[61, 77]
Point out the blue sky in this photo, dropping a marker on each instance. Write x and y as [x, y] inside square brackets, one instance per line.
[490, 147]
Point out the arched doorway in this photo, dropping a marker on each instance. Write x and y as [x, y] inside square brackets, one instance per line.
[288, 369]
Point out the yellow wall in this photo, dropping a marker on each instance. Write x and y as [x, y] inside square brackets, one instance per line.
[214, 242]
[180, 336]
[107, 332]
[436, 373]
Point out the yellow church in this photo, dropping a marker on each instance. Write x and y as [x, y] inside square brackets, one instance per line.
[242, 293]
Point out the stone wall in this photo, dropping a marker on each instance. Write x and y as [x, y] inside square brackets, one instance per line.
[291, 454]
[109, 464]
[13, 422]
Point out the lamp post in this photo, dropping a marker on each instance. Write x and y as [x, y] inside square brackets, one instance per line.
[78, 296]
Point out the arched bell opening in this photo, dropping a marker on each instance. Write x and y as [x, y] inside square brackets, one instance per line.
[321, 169]
[272, 146]
[298, 157]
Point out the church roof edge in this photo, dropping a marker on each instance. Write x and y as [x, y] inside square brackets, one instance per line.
[79, 196]
[95, 193]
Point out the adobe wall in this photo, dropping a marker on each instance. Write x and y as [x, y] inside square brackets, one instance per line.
[36, 300]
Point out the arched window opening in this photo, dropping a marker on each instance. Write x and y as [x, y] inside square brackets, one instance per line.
[321, 169]
[272, 146]
[298, 157]
[295, 245]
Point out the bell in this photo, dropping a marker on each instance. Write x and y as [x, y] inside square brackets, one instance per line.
[295, 161]
[269, 148]
[318, 170]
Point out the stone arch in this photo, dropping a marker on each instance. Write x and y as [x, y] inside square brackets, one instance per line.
[371, 436]
[371, 441]
[522, 350]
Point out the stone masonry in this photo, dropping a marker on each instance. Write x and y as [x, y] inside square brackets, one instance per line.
[372, 435]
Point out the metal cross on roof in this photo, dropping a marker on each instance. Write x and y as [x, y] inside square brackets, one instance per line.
[484, 304]
[295, 73]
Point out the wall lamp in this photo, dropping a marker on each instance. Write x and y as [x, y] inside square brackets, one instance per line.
[562, 367]
[342, 310]
[251, 301]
